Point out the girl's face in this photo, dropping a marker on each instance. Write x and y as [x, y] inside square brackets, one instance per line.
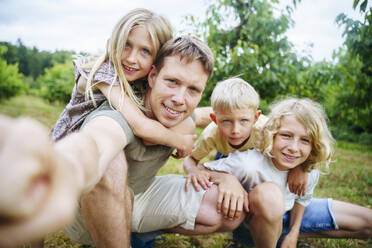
[292, 144]
[137, 56]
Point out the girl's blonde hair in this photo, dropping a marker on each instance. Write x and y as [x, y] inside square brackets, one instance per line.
[234, 93]
[312, 116]
[160, 31]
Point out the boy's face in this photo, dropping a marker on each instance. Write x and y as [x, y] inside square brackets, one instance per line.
[292, 144]
[175, 90]
[235, 125]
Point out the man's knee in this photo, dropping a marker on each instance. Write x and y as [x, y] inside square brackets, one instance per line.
[267, 201]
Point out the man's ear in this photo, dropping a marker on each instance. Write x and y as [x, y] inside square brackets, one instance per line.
[257, 115]
[152, 75]
[213, 117]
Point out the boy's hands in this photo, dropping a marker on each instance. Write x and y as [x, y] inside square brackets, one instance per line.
[297, 181]
[198, 177]
[232, 197]
[187, 146]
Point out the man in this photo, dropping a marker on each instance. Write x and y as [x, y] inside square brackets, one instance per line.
[98, 167]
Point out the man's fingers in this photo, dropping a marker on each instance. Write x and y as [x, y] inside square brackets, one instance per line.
[232, 209]
[219, 201]
[246, 203]
[239, 207]
[226, 204]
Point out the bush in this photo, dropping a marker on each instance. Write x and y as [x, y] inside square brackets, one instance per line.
[57, 82]
[11, 82]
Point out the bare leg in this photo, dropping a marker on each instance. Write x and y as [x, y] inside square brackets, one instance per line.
[208, 220]
[353, 221]
[107, 208]
[266, 205]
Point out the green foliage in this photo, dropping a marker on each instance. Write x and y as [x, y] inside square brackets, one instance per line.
[57, 82]
[31, 61]
[255, 48]
[353, 101]
[10, 80]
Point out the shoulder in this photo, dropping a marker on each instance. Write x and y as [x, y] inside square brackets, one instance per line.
[105, 110]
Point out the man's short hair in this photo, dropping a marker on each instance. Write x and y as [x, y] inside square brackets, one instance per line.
[189, 48]
[234, 93]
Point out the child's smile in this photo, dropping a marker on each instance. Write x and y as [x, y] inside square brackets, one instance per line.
[292, 144]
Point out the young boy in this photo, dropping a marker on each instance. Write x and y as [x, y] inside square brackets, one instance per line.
[236, 126]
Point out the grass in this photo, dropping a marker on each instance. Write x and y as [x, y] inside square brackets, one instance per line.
[349, 179]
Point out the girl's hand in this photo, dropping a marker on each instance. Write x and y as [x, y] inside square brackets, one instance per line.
[198, 177]
[187, 146]
[232, 197]
[297, 181]
[290, 241]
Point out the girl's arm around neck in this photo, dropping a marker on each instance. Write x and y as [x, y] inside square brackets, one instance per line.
[150, 130]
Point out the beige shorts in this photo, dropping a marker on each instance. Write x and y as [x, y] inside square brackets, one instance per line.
[164, 205]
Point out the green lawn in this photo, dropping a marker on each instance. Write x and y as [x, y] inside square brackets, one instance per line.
[349, 179]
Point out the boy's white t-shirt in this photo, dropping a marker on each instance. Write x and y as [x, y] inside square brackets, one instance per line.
[251, 168]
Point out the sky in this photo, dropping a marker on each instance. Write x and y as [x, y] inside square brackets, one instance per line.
[85, 25]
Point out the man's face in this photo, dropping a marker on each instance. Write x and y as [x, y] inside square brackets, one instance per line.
[175, 90]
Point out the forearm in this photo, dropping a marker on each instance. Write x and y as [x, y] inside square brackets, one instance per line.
[190, 164]
[91, 149]
[297, 213]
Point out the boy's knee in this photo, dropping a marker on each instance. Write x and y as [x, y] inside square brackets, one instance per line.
[267, 200]
[227, 225]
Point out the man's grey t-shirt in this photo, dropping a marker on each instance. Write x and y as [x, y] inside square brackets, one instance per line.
[143, 161]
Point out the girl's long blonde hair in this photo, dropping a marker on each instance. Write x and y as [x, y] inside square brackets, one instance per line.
[312, 116]
[160, 31]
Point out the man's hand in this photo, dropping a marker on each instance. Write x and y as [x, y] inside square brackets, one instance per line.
[232, 198]
[40, 196]
[297, 181]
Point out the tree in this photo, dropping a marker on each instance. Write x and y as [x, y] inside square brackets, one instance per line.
[354, 100]
[250, 42]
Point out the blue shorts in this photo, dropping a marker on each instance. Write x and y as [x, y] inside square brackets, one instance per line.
[318, 216]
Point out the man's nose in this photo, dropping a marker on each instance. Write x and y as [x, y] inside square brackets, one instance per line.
[178, 97]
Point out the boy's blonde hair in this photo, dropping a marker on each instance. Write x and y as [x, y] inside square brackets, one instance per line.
[312, 116]
[189, 48]
[234, 93]
[160, 31]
